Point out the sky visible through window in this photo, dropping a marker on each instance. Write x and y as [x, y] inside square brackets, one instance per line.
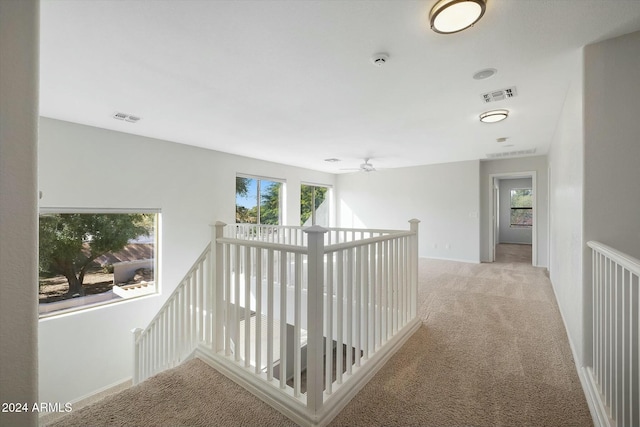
[258, 201]
[249, 200]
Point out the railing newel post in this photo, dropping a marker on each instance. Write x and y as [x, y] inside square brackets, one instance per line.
[217, 296]
[315, 317]
[413, 262]
[136, 355]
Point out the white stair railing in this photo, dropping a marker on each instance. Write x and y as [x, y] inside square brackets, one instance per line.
[614, 377]
[183, 322]
[294, 235]
[302, 317]
[305, 316]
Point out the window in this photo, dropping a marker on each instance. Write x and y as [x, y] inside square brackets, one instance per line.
[521, 207]
[258, 201]
[93, 258]
[314, 205]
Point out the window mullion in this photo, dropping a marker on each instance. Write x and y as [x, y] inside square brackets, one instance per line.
[258, 221]
[313, 206]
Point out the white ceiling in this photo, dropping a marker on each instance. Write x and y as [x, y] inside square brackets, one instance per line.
[292, 82]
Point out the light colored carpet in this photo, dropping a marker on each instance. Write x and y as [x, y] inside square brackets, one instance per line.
[513, 253]
[193, 394]
[492, 351]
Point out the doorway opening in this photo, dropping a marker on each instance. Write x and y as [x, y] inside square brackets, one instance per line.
[512, 236]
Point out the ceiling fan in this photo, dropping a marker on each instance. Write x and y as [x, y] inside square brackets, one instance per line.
[364, 167]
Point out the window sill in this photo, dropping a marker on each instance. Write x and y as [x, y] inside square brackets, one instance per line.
[80, 304]
[134, 291]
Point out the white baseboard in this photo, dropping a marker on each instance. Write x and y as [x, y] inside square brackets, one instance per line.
[593, 401]
[599, 410]
[103, 391]
[451, 259]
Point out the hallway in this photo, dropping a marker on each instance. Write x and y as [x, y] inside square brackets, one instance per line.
[507, 253]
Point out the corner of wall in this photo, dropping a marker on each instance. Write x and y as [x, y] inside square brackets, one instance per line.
[18, 210]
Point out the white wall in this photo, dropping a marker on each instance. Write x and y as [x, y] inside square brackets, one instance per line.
[19, 23]
[508, 234]
[536, 164]
[612, 143]
[81, 167]
[566, 156]
[443, 197]
[611, 151]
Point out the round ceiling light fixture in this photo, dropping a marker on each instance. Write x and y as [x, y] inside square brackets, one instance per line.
[494, 116]
[451, 16]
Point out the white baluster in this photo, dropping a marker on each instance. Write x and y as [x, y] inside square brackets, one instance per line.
[358, 304]
[247, 306]
[328, 329]
[258, 296]
[297, 324]
[270, 314]
[366, 310]
[349, 321]
[136, 355]
[340, 321]
[379, 295]
[283, 319]
[413, 265]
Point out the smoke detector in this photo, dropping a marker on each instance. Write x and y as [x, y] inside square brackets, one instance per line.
[379, 59]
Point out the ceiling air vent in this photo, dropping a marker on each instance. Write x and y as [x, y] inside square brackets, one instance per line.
[511, 154]
[499, 95]
[126, 117]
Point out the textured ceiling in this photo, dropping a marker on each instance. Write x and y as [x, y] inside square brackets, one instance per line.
[292, 81]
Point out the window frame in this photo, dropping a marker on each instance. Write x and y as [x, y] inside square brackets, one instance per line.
[81, 306]
[511, 208]
[314, 210]
[281, 198]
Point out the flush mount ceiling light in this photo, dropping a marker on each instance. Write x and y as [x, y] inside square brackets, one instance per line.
[494, 116]
[451, 16]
